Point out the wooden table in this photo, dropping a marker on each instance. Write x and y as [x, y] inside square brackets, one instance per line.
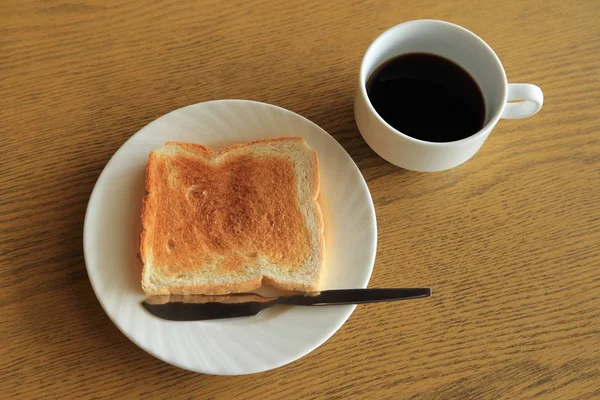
[509, 241]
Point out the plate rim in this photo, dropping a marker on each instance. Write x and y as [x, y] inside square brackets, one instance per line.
[345, 315]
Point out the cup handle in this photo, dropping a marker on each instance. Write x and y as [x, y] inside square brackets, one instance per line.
[531, 100]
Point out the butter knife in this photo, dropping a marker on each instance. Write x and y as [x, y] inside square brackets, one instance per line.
[200, 307]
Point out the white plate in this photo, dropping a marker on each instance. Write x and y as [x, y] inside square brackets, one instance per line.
[237, 346]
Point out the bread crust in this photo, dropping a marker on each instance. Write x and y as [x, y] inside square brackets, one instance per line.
[297, 245]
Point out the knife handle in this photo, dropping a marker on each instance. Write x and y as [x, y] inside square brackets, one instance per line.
[355, 296]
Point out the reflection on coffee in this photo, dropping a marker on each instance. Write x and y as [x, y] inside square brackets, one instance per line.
[427, 97]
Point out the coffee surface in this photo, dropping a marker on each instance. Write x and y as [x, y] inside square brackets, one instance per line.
[427, 97]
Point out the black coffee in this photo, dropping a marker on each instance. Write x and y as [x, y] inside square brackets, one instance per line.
[427, 97]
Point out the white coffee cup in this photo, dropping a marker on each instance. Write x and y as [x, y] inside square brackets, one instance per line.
[471, 53]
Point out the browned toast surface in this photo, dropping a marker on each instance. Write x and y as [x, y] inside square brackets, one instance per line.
[236, 213]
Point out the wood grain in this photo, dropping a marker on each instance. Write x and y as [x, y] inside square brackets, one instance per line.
[510, 241]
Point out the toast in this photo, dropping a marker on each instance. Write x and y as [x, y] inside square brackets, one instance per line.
[226, 222]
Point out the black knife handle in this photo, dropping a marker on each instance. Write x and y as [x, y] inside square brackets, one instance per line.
[355, 296]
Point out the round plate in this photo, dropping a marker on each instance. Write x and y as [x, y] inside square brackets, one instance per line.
[276, 336]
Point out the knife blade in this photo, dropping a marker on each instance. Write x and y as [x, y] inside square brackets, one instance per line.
[199, 307]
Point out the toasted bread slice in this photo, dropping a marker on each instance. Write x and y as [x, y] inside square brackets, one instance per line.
[227, 222]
